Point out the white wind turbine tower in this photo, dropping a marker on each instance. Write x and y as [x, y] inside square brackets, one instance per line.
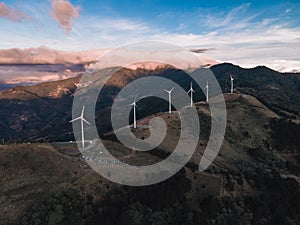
[170, 99]
[82, 127]
[192, 91]
[231, 80]
[206, 88]
[134, 113]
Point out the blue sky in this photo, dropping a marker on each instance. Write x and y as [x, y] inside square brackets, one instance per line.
[246, 33]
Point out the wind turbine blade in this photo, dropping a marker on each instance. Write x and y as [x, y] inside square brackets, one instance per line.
[82, 112]
[78, 118]
[86, 121]
[166, 90]
[172, 89]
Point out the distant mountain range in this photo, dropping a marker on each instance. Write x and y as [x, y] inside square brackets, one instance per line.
[7, 86]
[37, 112]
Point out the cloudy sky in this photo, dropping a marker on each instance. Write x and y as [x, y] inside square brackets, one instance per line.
[245, 33]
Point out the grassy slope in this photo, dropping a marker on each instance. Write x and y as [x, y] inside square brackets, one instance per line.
[30, 173]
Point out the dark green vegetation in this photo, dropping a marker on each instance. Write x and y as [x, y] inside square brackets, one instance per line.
[286, 135]
[278, 91]
[35, 112]
[254, 179]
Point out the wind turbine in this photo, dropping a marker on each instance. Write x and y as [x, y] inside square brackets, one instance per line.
[206, 88]
[231, 80]
[134, 112]
[170, 100]
[82, 127]
[192, 91]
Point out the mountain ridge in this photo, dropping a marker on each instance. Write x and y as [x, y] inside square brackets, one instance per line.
[245, 182]
[30, 112]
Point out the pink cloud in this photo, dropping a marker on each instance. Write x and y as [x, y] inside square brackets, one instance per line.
[11, 13]
[44, 55]
[64, 13]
